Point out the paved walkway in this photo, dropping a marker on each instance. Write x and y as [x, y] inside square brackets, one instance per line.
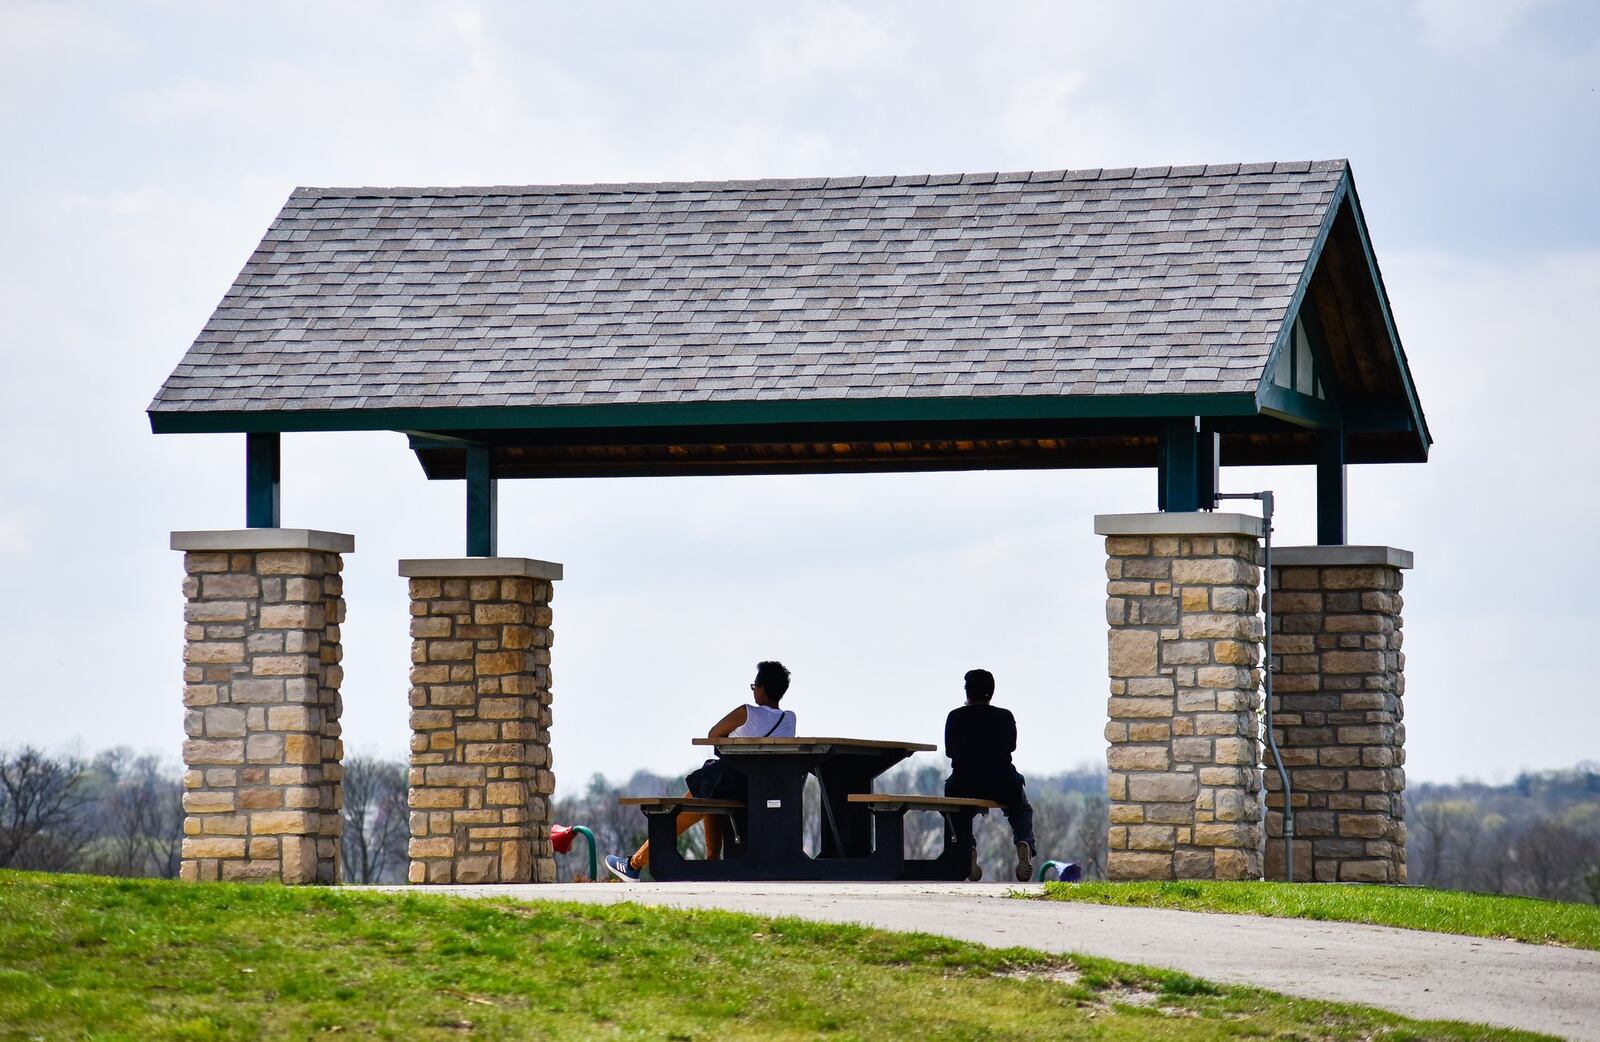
[1427, 975]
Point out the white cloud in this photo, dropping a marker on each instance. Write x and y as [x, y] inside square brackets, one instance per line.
[484, 109]
[1041, 107]
[826, 44]
[760, 149]
[132, 203]
[1053, 117]
[39, 33]
[187, 99]
[14, 538]
[1457, 26]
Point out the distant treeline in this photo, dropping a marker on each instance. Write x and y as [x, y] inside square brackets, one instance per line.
[1539, 835]
[121, 814]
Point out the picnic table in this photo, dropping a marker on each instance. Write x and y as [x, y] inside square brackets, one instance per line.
[862, 834]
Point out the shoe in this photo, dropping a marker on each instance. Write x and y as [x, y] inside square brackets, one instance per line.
[975, 872]
[1024, 862]
[621, 869]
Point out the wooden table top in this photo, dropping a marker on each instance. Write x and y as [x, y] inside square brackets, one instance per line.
[807, 742]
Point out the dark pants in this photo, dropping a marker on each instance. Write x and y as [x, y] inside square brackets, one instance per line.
[715, 780]
[1010, 793]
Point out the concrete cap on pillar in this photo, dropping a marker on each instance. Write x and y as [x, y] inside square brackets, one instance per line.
[1199, 522]
[264, 539]
[1340, 557]
[479, 568]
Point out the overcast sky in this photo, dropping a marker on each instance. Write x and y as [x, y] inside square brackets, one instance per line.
[147, 147]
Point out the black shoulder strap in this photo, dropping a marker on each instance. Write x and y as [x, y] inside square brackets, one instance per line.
[775, 726]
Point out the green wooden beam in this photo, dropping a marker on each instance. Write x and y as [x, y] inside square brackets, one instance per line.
[1180, 466]
[1161, 479]
[262, 457]
[1331, 509]
[1299, 409]
[482, 503]
[693, 414]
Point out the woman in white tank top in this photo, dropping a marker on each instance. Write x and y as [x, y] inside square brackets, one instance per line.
[764, 719]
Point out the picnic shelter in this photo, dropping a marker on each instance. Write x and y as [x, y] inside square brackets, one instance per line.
[1179, 319]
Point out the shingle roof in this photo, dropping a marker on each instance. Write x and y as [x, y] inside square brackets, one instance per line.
[1087, 282]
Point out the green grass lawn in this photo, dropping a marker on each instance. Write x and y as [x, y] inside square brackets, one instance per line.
[83, 957]
[1416, 908]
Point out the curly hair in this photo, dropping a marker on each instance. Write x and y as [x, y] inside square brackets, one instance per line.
[773, 678]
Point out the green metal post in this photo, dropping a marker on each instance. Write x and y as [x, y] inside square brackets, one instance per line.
[594, 856]
[261, 465]
[482, 502]
[1332, 514]
[1180, 466]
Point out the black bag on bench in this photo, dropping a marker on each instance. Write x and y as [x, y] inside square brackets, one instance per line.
[715, 780]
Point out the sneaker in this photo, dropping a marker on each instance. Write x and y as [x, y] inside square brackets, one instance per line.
[621, 869]
[1024, 862]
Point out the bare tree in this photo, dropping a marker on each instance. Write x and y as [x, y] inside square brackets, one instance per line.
[373, 840]
[40, 800]
[1090, 837]
[168, 842]
[1553, 857]
[1490, 868]
[135, 813]
[1444, 830]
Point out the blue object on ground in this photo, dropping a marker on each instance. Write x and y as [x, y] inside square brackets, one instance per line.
[1066, 871]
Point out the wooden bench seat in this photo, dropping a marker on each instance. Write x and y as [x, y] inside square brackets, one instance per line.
[677, 804]
[957, 860]
[911, 801]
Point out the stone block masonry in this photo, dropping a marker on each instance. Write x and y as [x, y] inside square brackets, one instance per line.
[1184, 649]
[262, 772]
[1338, 688]
[481, 778]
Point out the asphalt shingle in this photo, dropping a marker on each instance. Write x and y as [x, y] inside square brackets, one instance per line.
[1150, 281]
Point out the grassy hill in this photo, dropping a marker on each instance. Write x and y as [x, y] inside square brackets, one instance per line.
[84, 957]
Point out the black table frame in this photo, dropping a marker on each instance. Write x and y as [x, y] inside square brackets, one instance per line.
[770, 830]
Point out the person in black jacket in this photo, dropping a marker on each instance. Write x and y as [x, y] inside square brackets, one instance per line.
[979, 738]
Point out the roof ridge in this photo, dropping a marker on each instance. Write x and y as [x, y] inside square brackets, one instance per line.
[830, 183]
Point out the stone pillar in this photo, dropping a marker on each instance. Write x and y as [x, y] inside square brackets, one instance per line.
[480, 720]
[1182, 605]
[261, 682]
[1338, 683]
